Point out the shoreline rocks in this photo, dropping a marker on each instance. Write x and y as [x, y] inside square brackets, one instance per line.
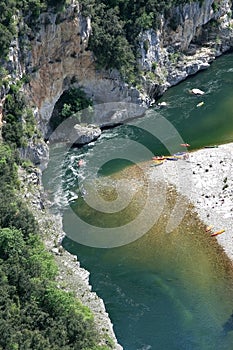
[189, 37]
[71, 277]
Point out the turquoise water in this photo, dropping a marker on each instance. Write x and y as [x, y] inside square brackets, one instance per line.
[213, 122]
[165, 291]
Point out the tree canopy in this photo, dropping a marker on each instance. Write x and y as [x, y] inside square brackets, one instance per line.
[34, 313]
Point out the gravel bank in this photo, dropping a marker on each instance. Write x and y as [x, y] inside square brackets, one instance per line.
[206, 178]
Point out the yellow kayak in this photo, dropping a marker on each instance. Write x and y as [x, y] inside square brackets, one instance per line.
[217, 233]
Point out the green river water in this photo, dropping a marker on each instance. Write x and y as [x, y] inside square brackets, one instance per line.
[164, 291]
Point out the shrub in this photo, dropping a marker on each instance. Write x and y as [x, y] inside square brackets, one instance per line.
[71, 102]
[34, 312]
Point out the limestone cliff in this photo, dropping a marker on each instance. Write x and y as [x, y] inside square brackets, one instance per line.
[190, 36]
[59, 58]
[55, 55]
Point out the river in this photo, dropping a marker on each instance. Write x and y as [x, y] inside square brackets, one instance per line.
[163, 291]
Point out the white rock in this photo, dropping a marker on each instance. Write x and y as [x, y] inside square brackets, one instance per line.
[197, 92]
[55, 251]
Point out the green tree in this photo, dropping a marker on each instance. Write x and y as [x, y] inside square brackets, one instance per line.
[70, 103]
[5, 39]
[11, 243]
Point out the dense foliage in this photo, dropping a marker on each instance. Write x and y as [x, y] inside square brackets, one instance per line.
[19, 122]
[116, 25]
[34, 313]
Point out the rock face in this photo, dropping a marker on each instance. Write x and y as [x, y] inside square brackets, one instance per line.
[59, 58]
[189, 38]
[76, 134]
[37, 153]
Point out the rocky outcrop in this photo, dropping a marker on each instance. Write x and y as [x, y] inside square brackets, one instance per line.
[37, 152]
[85, 134]
[188, 39]
[56, 55]
[78, 134]
[60, 58]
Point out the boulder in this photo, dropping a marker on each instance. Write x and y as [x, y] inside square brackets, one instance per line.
[197, 92]
[75, 134]
[80, 135]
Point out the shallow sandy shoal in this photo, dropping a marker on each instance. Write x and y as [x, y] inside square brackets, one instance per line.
[206, 178]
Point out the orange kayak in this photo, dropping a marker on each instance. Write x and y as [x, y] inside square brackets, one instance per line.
[217, 233]
[81, 162]
[158, 158]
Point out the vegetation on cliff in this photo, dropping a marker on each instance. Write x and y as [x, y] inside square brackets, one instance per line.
[69, 104]
[10, 12]
[19, 122]
[116, 26]
[34, 312]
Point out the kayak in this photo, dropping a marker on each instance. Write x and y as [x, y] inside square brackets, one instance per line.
[172, 158]
[157, 163]
[179, 153]
[217, 233]
[158, 158]
[185, 144]
[197, 92]
[209, 228]
[81, 162]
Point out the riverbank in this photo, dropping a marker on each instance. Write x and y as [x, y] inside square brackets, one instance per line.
[206, 179]
[71, 276]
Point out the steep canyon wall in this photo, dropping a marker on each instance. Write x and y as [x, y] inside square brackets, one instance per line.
[190, 36]
[55, 55]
